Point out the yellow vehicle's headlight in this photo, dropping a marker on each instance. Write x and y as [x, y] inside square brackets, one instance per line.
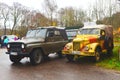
[86, 48]
[67, 47]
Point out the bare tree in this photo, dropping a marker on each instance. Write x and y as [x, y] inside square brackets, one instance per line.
[4, 11]
[16, 12]
[50, 7]
[26, 17]
[103, 8]
[35, 18]
[82, 16]
[68, 16]
[72, 17]
[61, 13]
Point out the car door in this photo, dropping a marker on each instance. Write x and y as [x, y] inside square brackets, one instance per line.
[49, 41]
[59, 41]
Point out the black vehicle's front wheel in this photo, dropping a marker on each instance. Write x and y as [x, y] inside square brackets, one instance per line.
[15, 59]
[36, 57]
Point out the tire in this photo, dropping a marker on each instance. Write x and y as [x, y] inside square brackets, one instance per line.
[36, 57]
[97, 55]
[15, 59]
[70, 57]
[60, 54]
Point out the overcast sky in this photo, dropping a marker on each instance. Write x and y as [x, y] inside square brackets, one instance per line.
[37, 4]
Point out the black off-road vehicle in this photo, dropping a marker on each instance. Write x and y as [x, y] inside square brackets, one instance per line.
[38, 44]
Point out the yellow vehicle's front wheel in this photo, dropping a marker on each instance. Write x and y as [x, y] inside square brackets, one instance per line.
[70, 57]
[97, 55]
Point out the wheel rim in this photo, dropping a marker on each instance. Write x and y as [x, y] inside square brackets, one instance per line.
[97, 56]
[38, 58]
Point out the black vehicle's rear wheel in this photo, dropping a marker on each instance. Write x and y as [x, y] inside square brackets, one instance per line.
[70, 57]
[15, 59]
[60, 54]
[36, 57]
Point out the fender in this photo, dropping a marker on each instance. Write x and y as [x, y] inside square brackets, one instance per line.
[93, 46]
[68, 46]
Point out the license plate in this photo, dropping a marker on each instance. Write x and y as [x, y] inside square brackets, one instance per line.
[13, 53]
[76, 52]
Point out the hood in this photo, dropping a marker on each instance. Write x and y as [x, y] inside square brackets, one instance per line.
[88, 38]
[28, 40]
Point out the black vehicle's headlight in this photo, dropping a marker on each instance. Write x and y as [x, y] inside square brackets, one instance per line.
[22, 46]
[8, 45]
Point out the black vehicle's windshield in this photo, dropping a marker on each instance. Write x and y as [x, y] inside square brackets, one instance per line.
[36, 33]
[93, 31]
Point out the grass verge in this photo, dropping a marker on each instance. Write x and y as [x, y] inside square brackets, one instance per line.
[112, 62]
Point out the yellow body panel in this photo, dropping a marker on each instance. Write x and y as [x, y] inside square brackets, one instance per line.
[83, 40]
[90, 39]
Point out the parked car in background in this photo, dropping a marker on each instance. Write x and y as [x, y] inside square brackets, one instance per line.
[9, 38]
[38, 44]
[91, 41]
[71, 33]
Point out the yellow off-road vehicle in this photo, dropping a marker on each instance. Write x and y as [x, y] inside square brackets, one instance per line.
[91, 41]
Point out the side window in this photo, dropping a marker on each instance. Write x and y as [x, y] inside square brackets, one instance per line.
[57, 33]
[50, 33]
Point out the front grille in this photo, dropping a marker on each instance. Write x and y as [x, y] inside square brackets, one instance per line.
[15, 47]
[76, 46]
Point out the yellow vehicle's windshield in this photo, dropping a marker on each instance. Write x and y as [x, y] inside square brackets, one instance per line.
[92, 31]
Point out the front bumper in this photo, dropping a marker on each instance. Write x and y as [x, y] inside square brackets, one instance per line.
[24, 54]
[80, 53]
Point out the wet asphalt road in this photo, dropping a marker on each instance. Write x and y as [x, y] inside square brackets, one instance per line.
[55, 69]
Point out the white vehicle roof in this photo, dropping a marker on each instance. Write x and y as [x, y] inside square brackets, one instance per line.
[97, 26]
